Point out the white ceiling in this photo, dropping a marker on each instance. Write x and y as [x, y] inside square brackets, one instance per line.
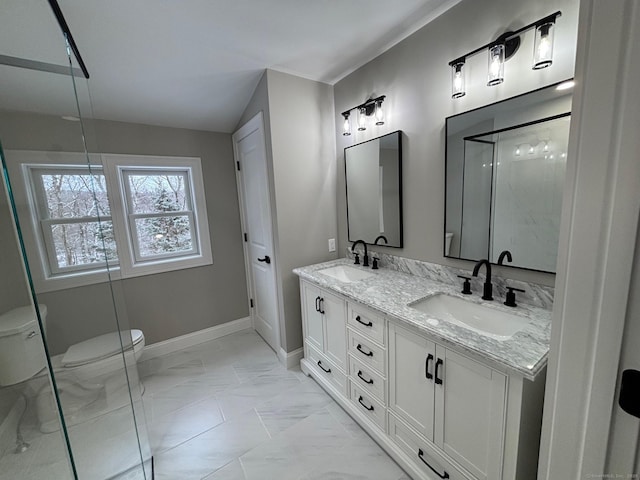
[195, 63]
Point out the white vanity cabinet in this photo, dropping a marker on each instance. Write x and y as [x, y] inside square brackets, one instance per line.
[438, 411]
[453, 404]
[325, 333]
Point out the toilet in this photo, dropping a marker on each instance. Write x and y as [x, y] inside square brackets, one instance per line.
[21, 354]
[88, 371]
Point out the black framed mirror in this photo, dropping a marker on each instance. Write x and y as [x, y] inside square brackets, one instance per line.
[505, 168]
[373, 177]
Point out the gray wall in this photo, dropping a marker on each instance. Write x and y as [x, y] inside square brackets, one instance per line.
[162, 305]
[299, 127]
[13, 286]
[416, 78]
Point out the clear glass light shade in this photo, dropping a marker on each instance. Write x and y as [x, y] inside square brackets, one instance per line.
[496, 65]
[457, 80]
[543, 46]
[362, 119]
[379, 113]
[346, 126]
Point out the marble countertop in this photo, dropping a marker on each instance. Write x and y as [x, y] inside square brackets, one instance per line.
[390, 292]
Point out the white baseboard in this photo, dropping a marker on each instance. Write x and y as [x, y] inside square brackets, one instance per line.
[291, 359]
[194, 338]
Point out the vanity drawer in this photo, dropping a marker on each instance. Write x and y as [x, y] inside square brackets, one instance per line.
[422, 453]
[368, 379]
[367, 322]
[369, 406]
[367, 352]
[328, 371]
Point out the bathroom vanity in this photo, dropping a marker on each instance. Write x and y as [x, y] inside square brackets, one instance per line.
[443, 399]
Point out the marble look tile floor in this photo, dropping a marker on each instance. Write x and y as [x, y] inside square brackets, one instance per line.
[227, 410]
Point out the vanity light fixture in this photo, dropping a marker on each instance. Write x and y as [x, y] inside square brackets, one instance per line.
[373, 106]
[505, 46]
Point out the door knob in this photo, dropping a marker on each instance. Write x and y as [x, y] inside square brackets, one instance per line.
[266, 259]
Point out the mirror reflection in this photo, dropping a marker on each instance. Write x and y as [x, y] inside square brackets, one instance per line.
[374, 190]
[505, 168]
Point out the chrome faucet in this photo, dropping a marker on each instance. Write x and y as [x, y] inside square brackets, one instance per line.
[365, 260]
[488, 287]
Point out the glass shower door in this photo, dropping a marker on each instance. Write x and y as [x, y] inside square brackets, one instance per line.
[80, 415]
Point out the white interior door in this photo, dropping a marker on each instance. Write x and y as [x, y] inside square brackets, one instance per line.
[624, 445]
[253, 190]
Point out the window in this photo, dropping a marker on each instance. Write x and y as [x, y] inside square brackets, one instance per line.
[75, 225]
[159, 213]
[136, 215]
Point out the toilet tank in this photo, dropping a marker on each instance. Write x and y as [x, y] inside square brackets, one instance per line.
[21, 351]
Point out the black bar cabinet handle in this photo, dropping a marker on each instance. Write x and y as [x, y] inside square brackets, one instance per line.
[325, 369]
[370, 408]
[370, 324]
[368, 354]
[321, 303]
[317, 304]
[441, 475]
[426, 367]
[266, 259]
[439, 363]
[370, 381]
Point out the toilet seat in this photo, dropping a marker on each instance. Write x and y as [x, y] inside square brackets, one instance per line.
[99, 348]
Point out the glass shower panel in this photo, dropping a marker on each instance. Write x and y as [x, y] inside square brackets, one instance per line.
[83, 416]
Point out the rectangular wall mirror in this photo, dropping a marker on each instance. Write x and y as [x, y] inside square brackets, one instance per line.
[505, 168]
[373, 172]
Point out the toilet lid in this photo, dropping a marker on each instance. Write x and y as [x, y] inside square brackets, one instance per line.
[98, 348]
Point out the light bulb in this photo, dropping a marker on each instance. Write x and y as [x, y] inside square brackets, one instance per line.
[379, 113]
[346, 128]
[362, 119]
[543, 46]
[496, 65]
[457, 80]
[518, 151]
[531, 150]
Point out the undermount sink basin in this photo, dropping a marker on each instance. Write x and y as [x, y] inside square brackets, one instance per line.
[346, 274]
[479, 318]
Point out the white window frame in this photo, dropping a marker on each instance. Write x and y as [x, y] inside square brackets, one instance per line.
[34, 174]
[47, 279]
[117, 167]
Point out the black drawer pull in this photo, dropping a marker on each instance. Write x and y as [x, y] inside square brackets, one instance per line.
[328, 370]
[439, 363]
[441, 475]
[368, 354]
[428, 374]
[321, 304]
[370, 324]
[317, 304]
[370, 381]
[370, 408]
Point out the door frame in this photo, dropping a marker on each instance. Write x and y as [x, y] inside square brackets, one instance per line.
[597, 243]
[256, 123]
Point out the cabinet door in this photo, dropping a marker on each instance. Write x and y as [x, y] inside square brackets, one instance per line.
[411, 391]
[314, 332]
[469, 414]
[335, 323]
